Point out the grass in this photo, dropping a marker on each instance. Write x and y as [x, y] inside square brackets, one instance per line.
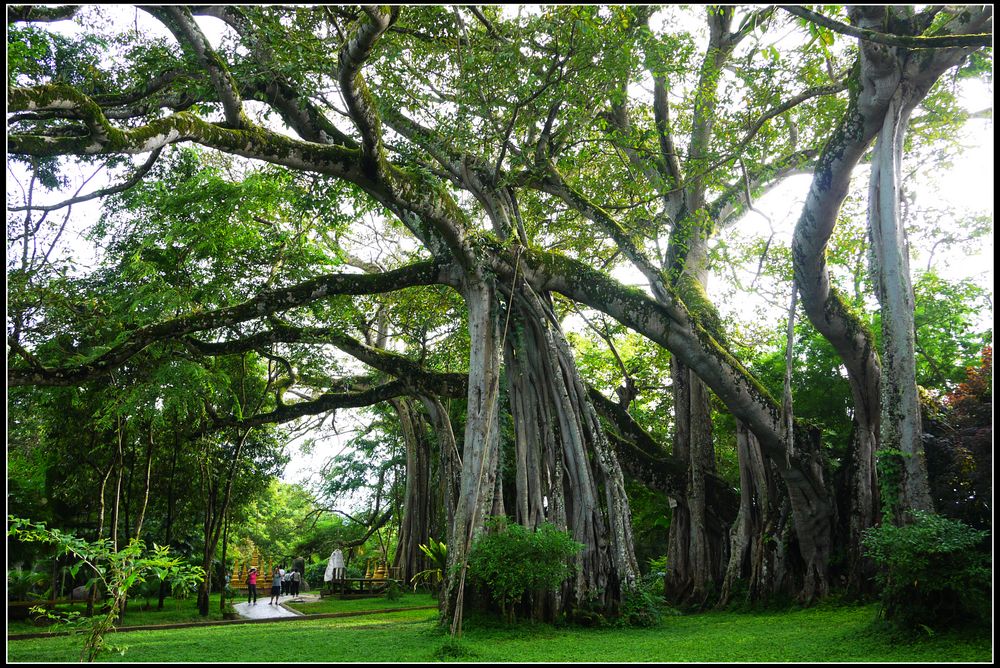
[822, 634]
[174, 611]
[406, 600]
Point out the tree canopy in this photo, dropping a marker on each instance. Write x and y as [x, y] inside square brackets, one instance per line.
[328, 207]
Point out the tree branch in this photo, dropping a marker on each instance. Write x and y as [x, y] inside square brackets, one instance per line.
[182, 24]
[22, 13]
[423, 273]
[915, 42]
[415, 376]
[104, 192]
[359, 103]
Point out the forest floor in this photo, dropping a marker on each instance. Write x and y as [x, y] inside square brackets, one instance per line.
[819, 634]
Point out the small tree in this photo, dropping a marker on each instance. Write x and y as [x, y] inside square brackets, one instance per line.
[117, 572]
[510, 561]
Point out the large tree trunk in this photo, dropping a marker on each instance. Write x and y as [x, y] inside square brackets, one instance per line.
[567, 473]
[890, 81]
[693, 550]
[672, 326]
[480, 450]
[900, 424]
[859, 502]
[416, 517]
[449, 473]
[759, 561]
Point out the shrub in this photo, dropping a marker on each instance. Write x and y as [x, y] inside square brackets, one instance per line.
[393, 592]
[21, 583]
[643, 605]
[640, 607]
[117, 571]
[932, 571]
[509, 560]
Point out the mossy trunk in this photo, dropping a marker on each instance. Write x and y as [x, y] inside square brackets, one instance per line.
[695, 547]
[449, 470]
[900, 429]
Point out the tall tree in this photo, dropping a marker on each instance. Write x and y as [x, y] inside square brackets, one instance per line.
[478, 132]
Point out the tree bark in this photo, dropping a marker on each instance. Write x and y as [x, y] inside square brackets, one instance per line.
[759, 560]
[900, 428]
[415, 519]
[563, 454]
[449, 468]
[886, 81]
[480, 450]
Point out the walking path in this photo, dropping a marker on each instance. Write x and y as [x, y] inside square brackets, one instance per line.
[265, 610]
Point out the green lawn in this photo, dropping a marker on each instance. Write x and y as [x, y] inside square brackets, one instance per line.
[179, 611]
[843, 634]
[174, 611]
[406, 600]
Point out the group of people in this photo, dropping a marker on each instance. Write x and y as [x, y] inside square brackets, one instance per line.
[282, 582]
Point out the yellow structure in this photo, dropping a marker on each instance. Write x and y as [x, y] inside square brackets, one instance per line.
[377, 571]
[238, 580]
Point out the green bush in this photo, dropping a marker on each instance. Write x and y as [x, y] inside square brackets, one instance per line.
[22, 584]
[437, 558]
[509, 561]
[932, 571]
[643, 605]
[640, 607]
[393, 592]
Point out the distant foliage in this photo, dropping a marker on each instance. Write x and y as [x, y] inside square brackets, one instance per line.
[22, 583]
[959, 447]
[933, 573]
[314, 573]
[509, 561]
[972, 400]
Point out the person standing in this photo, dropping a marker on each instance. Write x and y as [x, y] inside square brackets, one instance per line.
[275, 586]
[252, 586]
[296, 578]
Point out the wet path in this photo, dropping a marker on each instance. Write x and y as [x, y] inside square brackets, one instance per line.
[265, 610]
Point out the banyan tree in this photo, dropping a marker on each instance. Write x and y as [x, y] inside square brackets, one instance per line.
[525, 154]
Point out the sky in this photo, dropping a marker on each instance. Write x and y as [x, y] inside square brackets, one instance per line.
[966, 186]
